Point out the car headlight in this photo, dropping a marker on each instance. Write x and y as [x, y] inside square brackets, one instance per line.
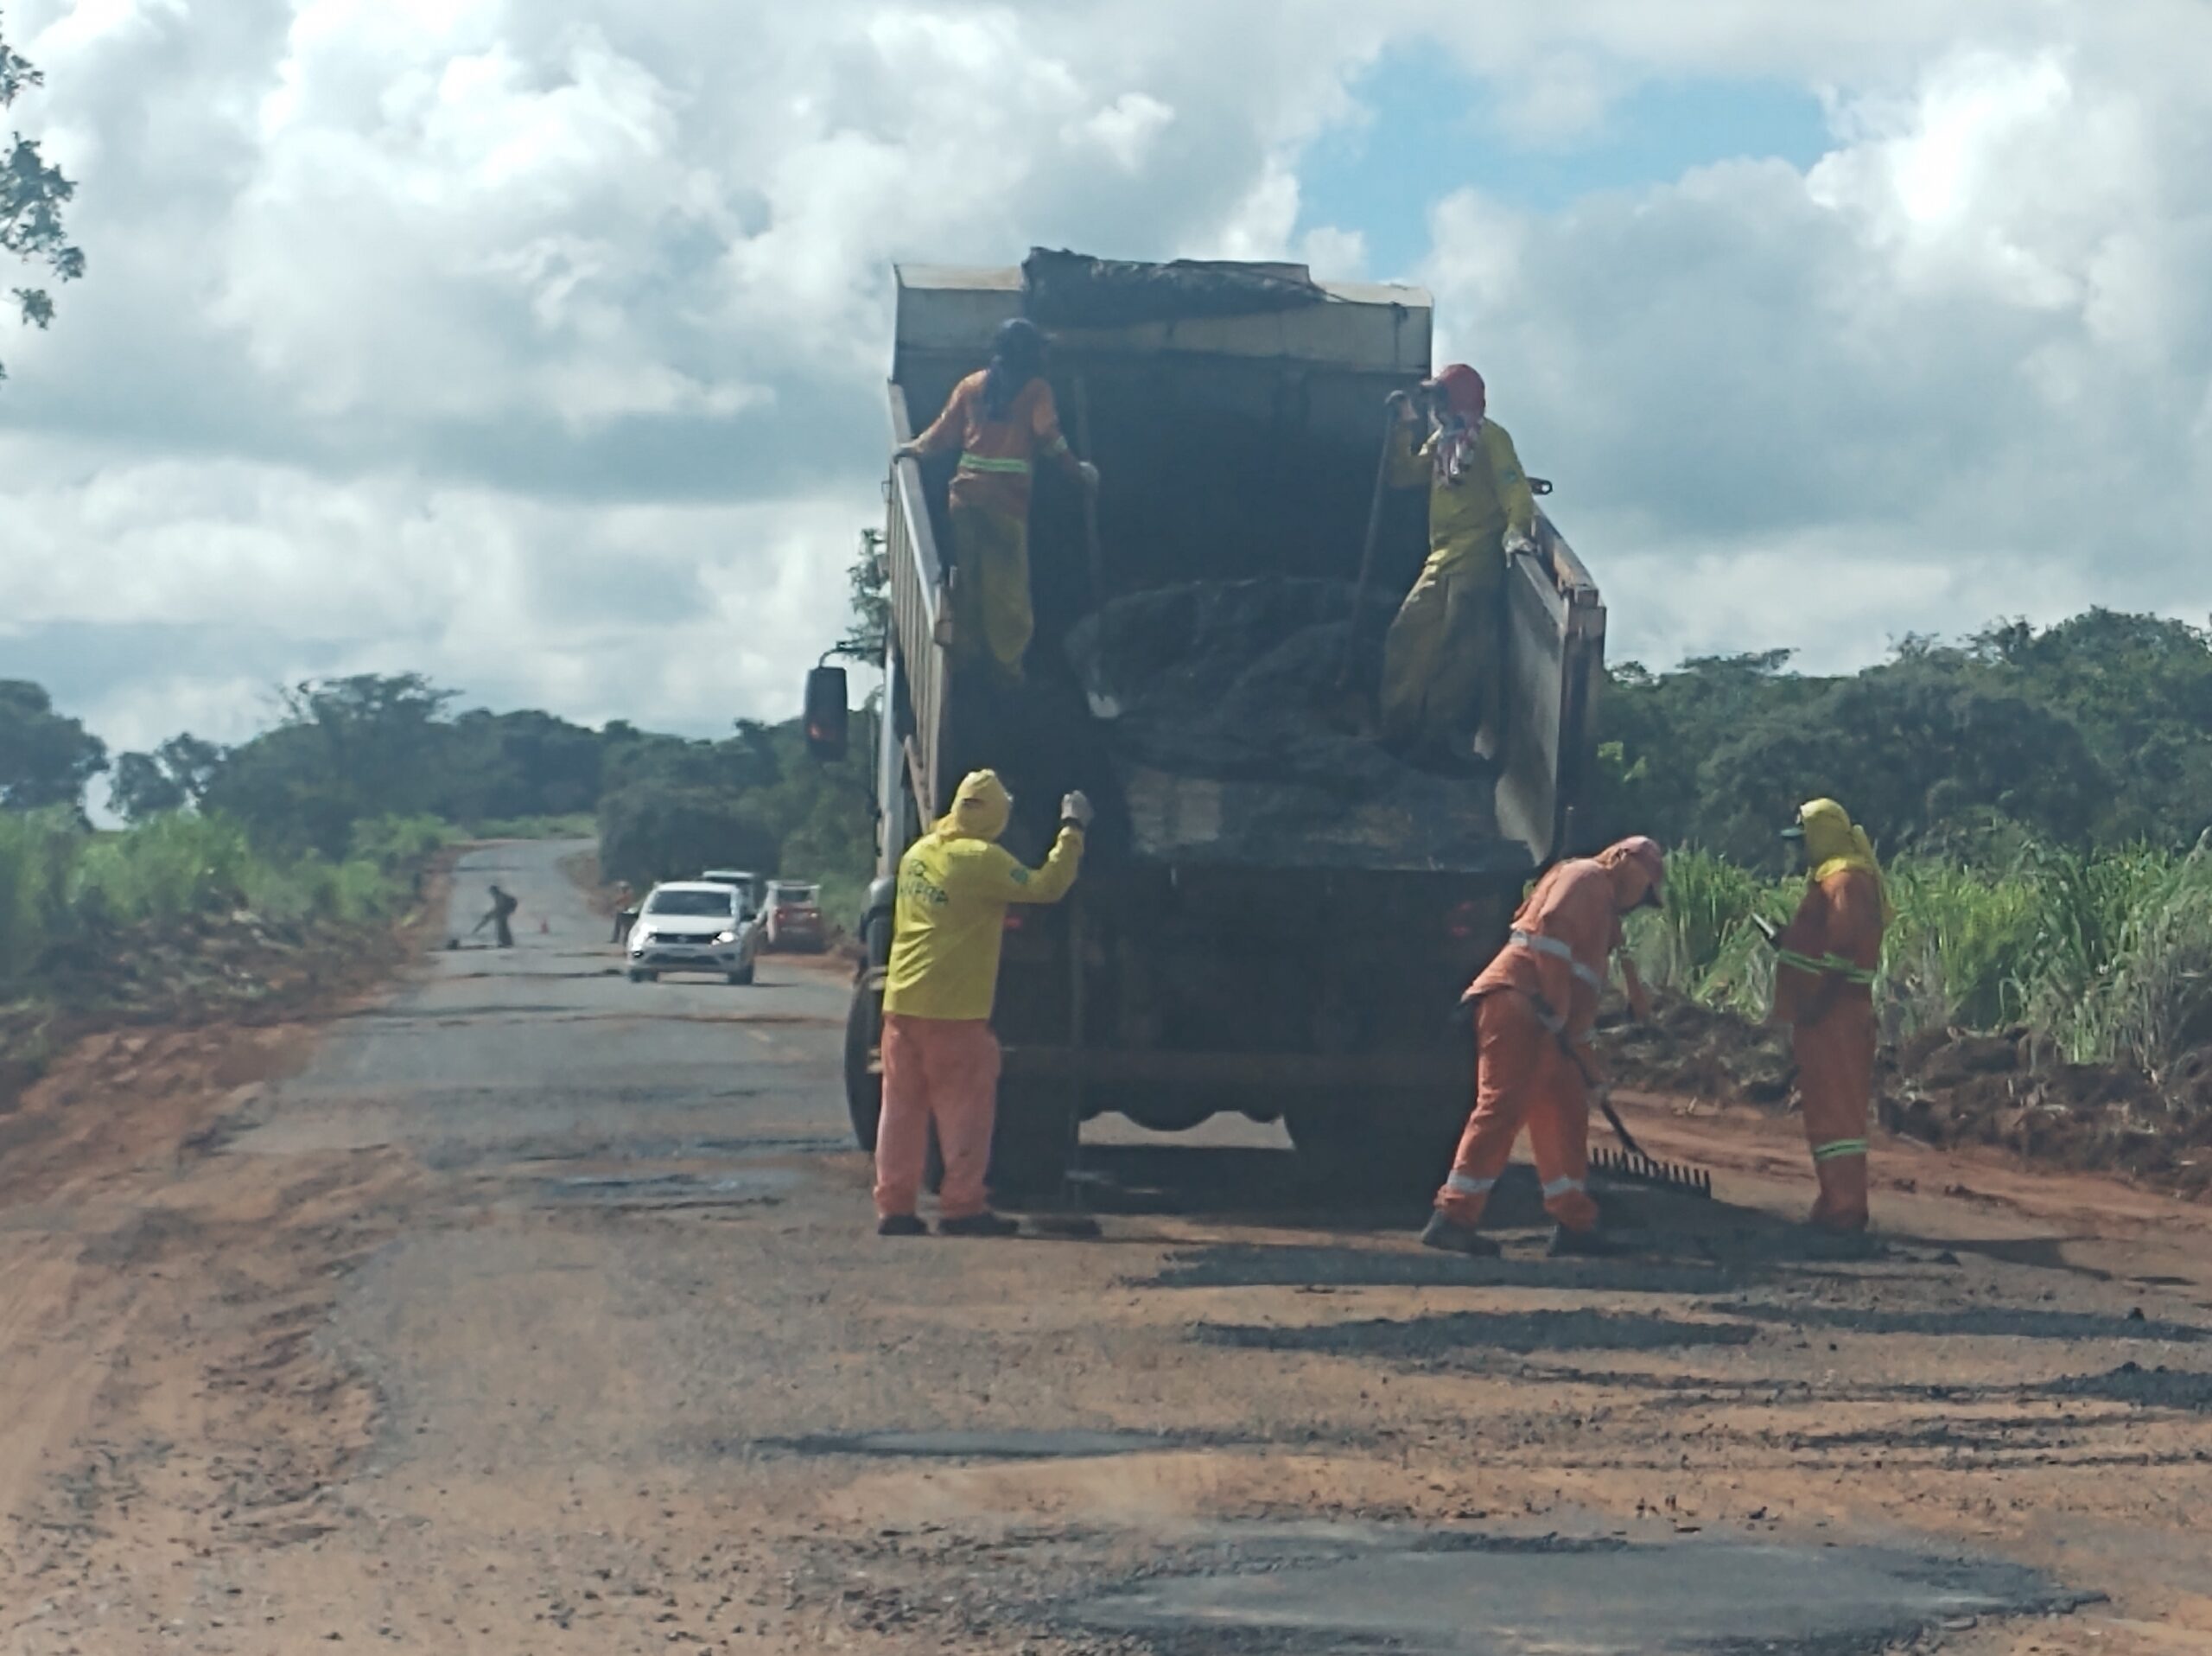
[726, 937]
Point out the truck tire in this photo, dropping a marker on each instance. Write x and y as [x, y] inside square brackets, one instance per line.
[863, 1091]
[1358, 1154]
[742, 977]
[1031, 1139]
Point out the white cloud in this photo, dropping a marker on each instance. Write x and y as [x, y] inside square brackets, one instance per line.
[495, 341]
[1957, 371]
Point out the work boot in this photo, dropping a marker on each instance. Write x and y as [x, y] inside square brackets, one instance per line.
[900, 1224]
[1586, 1245]
[982, 1223]
[1452, 1237]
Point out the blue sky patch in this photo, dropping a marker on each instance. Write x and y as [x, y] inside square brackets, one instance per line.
[1433, 129]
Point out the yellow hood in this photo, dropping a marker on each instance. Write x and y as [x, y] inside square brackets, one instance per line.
[1834, 844]
[980, 808]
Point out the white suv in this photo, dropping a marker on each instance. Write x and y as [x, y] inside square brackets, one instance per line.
[693, 926]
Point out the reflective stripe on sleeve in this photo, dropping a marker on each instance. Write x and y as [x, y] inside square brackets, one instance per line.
[1460, 1185]
[1835, 1150]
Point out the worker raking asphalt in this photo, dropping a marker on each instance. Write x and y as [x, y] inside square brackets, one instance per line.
[1239, 683]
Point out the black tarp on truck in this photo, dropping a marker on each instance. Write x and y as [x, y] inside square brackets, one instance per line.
[1275, 916]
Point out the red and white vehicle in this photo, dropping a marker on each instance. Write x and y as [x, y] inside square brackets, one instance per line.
[792, 912]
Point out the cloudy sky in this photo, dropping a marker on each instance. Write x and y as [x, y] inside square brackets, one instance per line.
[538, 344]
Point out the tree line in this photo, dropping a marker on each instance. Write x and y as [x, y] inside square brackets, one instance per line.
[2094, 732]
[349, 751]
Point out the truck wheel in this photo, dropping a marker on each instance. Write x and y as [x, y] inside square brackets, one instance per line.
[1030, 1140]
[637, 977]
[863, 1091]
[743, 976]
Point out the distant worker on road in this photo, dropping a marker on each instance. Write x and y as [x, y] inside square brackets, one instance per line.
[1443, 660]
[497, 916]
[1000, 418]
[940, 1059]
[1534, 1006]
[626, 911]
[1825, 961]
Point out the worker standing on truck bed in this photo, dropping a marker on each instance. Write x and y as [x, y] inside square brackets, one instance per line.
[1000, 418]
[1443, 659]
[1534, 1006]
[940, 1059]
[1825, 961]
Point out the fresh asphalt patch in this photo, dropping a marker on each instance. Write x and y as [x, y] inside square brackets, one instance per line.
[1430, 1593]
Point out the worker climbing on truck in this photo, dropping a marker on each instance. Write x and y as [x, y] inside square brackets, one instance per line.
[1000, 418]
[1534, 1006]
[1444, 658]
[1825, 961]
[940, 1058]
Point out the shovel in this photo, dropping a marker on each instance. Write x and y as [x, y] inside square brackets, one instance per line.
[1367, 551]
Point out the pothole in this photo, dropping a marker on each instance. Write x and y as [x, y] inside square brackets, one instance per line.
[1445, 1593]
[666, 1192]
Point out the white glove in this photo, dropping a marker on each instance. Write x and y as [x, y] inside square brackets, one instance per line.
[1076, 808]
[1518, 543]
[907, 451]
[1089, 474]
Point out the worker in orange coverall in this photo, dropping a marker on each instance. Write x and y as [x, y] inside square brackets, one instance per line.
[940, 1059]
[1825, 961]
[1001, 420]
[1534, 1006]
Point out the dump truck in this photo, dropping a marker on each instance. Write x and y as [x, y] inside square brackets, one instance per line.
[1274, 917]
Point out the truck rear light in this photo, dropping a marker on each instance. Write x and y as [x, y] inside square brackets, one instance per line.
[1013, 921]
[1460, 923]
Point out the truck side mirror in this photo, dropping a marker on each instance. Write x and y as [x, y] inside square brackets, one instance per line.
[828, 717]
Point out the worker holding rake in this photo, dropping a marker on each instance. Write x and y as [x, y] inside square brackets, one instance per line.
[1535, 1007]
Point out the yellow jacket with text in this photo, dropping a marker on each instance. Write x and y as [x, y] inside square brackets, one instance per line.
[954, 884]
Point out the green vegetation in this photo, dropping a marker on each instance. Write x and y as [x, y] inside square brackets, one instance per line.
[2039, 799]
[32, 197]
[754, 801]
[2093, 734]
[2106, 956]
[71, 896]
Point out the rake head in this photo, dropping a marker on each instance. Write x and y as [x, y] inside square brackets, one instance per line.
[1641, 1169]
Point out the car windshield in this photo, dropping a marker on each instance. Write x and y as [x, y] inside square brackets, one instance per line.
[795, 893]
[698, 904]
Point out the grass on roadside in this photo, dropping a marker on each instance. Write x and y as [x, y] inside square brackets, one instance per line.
[2107, 957]
[68, 892]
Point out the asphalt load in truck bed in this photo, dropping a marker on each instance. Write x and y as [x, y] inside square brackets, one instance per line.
[1238, 736]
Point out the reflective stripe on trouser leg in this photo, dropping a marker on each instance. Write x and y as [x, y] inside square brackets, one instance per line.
[1836, 1068]
[1559, 1133]
[1508, 1045]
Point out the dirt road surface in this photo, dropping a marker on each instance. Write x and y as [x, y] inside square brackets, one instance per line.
[531, 1310]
